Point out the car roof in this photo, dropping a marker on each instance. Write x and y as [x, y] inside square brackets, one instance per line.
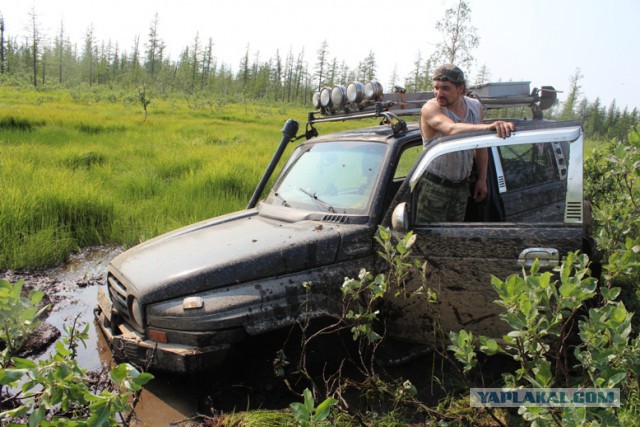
[385, 133]
[522, 125]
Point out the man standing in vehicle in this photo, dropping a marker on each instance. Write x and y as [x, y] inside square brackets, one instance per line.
[444, 191]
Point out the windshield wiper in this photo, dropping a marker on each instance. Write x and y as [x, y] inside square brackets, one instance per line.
[321, 202]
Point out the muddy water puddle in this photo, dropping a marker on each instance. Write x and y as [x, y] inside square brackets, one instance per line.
[73, 290]
[244, 382]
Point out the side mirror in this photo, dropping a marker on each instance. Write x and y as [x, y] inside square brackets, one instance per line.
[400, 218]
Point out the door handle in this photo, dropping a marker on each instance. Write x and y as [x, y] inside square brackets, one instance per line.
[547, 257]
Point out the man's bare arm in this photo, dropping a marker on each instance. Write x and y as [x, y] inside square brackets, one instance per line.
[433, 120]
[482, 162]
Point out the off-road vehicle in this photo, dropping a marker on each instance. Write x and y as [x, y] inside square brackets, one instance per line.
[182, 301]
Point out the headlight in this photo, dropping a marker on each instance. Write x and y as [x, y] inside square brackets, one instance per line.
[137, 315]
[325, 97]
[373, 90]
[316, 100]
[339, 96]
[355, 92]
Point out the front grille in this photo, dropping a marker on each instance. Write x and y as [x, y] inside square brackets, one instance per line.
[118, 295]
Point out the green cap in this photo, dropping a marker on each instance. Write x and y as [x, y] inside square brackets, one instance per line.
[449, 72]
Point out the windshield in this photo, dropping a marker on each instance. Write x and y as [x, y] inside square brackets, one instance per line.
[330, 177]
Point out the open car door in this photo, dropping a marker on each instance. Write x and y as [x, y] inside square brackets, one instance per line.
[534, 210]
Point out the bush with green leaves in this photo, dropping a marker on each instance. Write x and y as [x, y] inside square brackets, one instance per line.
[19, 315]
[564, 332]
[361, 294]
[56, 390]
[613, 187]
[567, 330]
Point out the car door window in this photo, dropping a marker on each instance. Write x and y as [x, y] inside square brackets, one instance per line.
[535, 181]
[408, 158]
[530, 164]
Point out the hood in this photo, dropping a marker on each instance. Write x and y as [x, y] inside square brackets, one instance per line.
[230, 249]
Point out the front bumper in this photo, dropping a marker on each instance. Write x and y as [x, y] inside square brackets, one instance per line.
[129, 346]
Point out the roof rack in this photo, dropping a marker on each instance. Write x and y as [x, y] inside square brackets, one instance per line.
[359, 101]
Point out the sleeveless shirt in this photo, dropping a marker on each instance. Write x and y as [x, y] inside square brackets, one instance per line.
[456, 166]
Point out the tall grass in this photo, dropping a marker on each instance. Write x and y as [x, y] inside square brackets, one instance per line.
[84, 168]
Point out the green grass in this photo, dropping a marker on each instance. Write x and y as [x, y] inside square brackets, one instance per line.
[84, 168]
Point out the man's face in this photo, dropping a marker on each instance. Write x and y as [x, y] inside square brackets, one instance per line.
[446, 92]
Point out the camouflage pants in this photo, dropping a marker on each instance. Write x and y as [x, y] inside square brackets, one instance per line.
[440, 203]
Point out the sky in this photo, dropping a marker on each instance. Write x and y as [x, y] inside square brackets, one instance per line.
[540, 41]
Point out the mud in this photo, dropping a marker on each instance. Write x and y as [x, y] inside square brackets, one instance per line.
[247, 381]
[71, 292]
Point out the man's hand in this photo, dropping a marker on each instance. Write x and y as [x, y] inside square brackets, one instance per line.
[503, 129]
[480, 190]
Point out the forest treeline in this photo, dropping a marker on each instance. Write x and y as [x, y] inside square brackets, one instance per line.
[57, 62]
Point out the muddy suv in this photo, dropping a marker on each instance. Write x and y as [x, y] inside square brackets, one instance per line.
[182, 301]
